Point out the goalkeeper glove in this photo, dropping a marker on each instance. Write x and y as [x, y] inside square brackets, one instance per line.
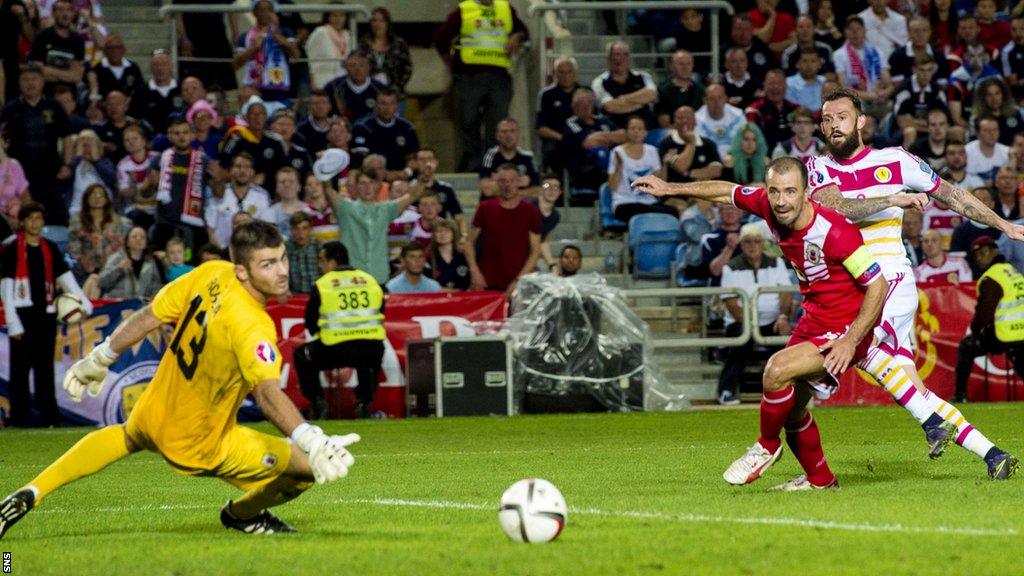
[329, 457]
[89, 373]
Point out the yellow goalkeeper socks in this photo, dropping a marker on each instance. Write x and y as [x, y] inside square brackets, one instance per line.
[93, 453]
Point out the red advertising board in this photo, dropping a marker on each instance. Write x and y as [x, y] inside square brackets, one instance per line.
[406, 316]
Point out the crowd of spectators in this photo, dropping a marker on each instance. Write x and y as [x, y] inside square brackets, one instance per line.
[108, 152]
[942, 78]
[149, 171]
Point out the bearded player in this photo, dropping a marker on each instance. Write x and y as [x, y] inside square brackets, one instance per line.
[222, 350]
[843, 291]
[861, 183]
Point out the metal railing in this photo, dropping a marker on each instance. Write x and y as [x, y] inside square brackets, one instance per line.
[539, 10]
[696, 292]
[354, 11]
[751, 314]
[749, 303]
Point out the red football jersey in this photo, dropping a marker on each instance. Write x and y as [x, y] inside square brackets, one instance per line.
[829, 258]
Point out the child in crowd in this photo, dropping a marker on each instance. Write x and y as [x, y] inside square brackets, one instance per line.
[131, 177]
[176, 266]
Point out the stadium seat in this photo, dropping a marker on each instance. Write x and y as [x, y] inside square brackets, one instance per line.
[679, 269]
[656, 135]
[609, 222]
[653, 241]
[57, 235]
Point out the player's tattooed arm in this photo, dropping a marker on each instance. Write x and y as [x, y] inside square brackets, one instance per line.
[852, 208]
[963, 202]
[716, 191]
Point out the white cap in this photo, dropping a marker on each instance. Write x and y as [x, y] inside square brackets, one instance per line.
[330, 164]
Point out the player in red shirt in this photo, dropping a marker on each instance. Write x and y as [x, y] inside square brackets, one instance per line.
[843, 290]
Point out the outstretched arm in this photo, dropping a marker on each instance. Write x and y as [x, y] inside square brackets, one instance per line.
[277, 407]
[963, 202]
[134, 329]
[716, 191]
[329, 458]
[89, 373]
[857, 208]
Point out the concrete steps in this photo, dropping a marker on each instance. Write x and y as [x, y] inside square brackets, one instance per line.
[583, 44]
[687, 371]
[593, 65]
[139, 24]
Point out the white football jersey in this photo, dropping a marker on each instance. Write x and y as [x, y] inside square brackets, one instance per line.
[953, 270]
[942, 219]
[871, 174]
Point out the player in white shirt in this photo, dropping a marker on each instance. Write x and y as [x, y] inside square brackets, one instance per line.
[940, 267]
[864, 185]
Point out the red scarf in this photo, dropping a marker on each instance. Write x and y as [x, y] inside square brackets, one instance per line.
[857, 67]
[192, 206]
[22, 288]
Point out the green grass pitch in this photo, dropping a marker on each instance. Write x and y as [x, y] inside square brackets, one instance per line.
[645, 494]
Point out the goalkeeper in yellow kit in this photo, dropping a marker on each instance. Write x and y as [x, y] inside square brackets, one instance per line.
[222, 350]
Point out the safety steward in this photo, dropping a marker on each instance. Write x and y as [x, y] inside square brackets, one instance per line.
[345, 316]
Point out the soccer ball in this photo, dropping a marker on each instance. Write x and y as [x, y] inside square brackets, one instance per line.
[70, 309]
[533, 511]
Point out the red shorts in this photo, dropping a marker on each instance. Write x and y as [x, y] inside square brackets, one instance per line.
[809, 329]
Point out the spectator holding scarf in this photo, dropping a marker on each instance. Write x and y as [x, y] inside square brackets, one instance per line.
[180, 176]
[860, 67]
[264, 52]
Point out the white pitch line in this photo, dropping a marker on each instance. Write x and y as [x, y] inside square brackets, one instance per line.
[628, 514]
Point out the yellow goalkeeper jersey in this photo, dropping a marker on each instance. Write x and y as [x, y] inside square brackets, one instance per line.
[224, 343]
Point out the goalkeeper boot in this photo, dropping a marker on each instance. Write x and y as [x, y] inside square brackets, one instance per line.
[1001, 465]
[14, 507]
[751, 465]
[262, 523]
[801, 483]
[939, 437]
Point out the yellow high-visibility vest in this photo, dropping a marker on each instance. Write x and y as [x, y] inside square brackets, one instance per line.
[484, 34]
[1009, 318]
[350, 307]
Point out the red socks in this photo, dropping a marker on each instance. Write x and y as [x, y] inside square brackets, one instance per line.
[775, 407]
[804, 440]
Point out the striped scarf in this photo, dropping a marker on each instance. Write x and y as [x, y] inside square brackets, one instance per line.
[192, 206]
[22, 286]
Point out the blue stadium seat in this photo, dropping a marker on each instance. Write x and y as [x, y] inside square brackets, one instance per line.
[608, 220]
[679, 269]
[656, 135]
[653, 239]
